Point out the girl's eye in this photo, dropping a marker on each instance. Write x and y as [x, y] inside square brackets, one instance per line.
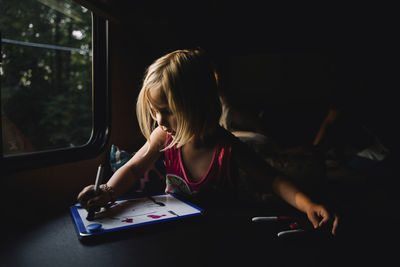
[165, 111]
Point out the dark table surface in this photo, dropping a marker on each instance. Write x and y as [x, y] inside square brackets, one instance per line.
[223, 236]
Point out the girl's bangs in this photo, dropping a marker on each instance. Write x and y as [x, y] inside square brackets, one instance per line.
[150, 101]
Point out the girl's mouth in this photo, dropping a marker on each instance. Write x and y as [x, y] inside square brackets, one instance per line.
[168, 131]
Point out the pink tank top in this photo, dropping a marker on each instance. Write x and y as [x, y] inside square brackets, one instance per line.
[217, 177]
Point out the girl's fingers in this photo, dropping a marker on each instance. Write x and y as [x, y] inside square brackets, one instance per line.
[97, 202]
[313, 219]
[320, 216]
[325, 217]
[335, 225]
[323, 221]
[84, 195]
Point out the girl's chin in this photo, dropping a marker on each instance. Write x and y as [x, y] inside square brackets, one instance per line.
[169, 132]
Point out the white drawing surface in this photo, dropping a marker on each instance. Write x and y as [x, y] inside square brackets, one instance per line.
[131, 212]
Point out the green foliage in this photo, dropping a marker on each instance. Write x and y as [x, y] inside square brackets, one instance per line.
[46, 92]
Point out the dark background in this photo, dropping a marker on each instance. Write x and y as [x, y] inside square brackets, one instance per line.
[293, 62]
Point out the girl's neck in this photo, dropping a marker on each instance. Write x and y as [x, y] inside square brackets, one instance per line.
[210, 138]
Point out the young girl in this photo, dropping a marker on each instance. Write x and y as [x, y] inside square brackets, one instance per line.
[178, 110]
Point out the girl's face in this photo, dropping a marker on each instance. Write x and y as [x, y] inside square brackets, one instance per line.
[163, 115]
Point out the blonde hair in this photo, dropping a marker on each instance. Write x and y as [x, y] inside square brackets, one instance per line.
[188, 82]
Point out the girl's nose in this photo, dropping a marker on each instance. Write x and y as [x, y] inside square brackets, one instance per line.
[161, 120]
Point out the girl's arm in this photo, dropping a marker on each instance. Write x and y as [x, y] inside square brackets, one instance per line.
[317, 214]
[266, 178]
[126, 176]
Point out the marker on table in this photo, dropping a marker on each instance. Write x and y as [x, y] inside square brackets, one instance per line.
[270, 218]
[290, 232]
[99, 178]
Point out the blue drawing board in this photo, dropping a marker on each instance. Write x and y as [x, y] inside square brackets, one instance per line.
[132, 212]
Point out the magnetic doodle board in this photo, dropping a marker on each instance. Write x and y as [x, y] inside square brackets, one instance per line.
[132, 212]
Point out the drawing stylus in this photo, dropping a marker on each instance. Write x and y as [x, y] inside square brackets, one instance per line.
[99, 177]
[270, 218]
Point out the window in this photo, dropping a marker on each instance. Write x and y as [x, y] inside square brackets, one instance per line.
[53, 57]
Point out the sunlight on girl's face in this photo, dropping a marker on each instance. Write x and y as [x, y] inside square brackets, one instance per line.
[163, 114]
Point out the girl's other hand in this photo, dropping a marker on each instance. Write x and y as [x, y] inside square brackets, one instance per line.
[319, 215]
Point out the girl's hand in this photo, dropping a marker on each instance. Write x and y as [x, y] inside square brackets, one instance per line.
[87, 199]
[318, 216]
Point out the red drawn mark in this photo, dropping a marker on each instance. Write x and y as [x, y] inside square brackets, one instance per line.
[294, 225]
[128, 220]
[155, 216]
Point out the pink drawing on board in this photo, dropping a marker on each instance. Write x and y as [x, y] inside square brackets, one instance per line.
[155, 216]
[128, 220]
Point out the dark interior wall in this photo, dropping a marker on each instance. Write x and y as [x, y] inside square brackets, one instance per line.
[292, 63]
[289, 91]
[294, 89]
[127, 67]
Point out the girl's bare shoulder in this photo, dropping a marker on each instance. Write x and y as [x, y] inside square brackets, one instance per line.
[157, 139]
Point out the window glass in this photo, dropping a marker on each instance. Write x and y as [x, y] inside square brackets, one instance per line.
[46, 79]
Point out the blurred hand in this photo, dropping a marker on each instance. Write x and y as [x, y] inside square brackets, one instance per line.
[319, 215]
[88, 200]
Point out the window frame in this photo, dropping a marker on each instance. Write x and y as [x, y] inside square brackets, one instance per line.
[100, 117]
